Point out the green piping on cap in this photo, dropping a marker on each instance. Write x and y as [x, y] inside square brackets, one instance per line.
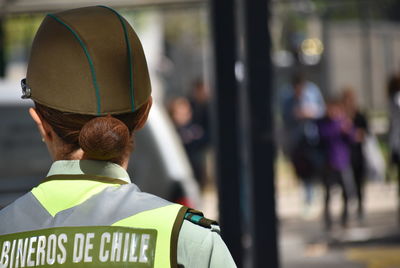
[128, 45]
[92, 70]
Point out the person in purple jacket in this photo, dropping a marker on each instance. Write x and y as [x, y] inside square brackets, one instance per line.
[336, 136]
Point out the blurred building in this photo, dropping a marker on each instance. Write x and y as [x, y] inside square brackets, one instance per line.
[338, 43]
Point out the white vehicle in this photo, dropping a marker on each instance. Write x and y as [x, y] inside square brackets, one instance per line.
[158, 165]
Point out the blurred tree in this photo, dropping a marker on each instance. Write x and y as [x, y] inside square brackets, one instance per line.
[353, 9]
[186, 48]
[2, 49]
[20, 31]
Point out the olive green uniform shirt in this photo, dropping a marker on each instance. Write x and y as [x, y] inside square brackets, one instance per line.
[198, 247]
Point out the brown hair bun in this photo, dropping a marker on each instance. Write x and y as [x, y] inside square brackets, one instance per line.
[104, 138]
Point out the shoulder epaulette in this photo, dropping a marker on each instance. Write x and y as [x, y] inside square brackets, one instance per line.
[198, 218]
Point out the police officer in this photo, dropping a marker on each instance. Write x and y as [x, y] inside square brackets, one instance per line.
[88, 78]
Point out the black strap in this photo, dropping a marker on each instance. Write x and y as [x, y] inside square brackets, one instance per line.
[198, 218]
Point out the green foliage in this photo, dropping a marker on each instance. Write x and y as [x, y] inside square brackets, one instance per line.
[20, 31]
[137, 18]
[186, 22]
[356, 9]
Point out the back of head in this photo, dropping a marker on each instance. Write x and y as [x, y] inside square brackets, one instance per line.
[104, 138]
[349, 97]
[87, 68]
[298, 79]
[393, 85]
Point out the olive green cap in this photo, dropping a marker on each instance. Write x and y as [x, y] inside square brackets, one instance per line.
[88, 61]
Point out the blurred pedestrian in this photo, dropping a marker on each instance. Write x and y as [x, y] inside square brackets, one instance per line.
[88, 78]
[358, 161]
[336, 133]
[200, 101]
[394, 125]
[302, 107]
[394, 119]
[191, 133]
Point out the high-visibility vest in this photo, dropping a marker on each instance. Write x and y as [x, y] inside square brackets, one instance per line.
[111, 225]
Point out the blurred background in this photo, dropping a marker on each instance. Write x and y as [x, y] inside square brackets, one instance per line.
[332, 118]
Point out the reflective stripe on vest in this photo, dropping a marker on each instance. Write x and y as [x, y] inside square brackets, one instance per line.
[99, 204]
[164, 221]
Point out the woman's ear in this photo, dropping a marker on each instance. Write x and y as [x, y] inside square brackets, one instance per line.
[143, 120]
[41, 125]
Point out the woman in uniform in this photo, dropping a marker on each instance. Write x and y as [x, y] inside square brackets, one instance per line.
[88, 78]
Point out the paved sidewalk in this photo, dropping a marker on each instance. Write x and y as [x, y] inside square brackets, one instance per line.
[373, 243]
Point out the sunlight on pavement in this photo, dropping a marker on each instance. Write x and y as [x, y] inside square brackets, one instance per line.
[382, 257]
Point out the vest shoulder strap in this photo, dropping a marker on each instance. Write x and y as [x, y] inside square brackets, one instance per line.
[198, 218]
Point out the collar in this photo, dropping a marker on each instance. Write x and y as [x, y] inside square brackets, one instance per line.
[83, 168]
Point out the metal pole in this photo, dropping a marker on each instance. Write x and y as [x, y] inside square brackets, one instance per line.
[261, 148]
[225, 121]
